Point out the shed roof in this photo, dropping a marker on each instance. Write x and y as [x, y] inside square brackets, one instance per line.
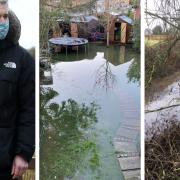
[126, 19]
[80, 18]
[83, 18]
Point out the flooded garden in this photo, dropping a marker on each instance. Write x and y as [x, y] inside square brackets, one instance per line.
[90, 113]
[90, 90]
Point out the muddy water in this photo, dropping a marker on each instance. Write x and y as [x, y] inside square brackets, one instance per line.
[164, 101]
[101, 76]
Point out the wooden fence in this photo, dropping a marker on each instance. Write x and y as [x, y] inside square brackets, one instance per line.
[159, 37]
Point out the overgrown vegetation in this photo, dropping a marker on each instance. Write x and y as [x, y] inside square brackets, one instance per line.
[47, 21]
[159, 62]
[62, 9]
[163, 59]
[162, 151]
[134, 71]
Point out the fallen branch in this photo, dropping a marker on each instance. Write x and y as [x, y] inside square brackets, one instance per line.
[162, 108]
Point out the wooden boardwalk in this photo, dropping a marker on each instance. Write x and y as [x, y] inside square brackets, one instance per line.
[127, 139]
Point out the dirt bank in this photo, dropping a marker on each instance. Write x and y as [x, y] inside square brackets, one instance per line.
[159, 85]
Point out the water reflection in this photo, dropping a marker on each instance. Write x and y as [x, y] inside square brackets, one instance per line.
[114, 53]
[104, 75]
[101, 77]
[114, 56]
[133, 73]
[67, 137]
[122, 54]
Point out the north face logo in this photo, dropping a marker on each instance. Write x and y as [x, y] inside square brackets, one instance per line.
[10, 65]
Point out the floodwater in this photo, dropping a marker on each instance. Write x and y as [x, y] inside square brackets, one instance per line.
[108, 77]
[166, 103]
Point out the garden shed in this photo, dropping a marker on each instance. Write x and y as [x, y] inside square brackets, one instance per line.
[83, 26]
[120, 29]
[79, 26]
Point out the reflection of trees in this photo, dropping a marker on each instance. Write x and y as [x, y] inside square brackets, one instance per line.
[134, 71]
[104, 76]
[66, 136]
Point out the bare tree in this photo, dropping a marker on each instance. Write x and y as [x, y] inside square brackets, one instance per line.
[166, 13]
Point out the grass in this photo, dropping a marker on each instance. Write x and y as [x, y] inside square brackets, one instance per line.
[151, 43]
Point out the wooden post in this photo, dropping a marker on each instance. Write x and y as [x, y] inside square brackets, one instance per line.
[66, 50]
[108, 23]
[108, 32]
[85, 48]
[123, 33]
[77, 48]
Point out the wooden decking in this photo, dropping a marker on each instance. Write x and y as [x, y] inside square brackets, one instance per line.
[127, 139]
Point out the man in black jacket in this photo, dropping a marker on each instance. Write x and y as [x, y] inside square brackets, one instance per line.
[17, 98]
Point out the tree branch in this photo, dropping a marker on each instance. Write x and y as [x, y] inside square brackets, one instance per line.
[162, 108]
[162, 18]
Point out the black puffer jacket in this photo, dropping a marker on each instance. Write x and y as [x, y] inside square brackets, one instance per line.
[17, 99]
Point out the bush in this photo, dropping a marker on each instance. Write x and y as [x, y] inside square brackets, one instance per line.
[158, 63]
[162, 151]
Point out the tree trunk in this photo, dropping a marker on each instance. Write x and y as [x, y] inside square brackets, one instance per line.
[108, 23]
[107, 38]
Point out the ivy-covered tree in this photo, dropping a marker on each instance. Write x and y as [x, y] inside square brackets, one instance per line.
[137, 35]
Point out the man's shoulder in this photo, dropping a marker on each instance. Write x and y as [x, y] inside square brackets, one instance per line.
[27, 63]
[25, 52]
[25, 57]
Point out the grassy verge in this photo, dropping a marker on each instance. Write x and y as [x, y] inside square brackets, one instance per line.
[159, 62]
[151, 43]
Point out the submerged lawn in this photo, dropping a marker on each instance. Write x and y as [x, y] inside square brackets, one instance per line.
[106, 77]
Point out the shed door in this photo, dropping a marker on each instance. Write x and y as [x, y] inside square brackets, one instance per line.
[74, 30]
[123, 32]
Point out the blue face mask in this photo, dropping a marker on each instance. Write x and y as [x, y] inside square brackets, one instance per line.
[4, 28]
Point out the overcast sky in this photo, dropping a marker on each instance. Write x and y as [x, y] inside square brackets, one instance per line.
[151, 7]
[27, 12]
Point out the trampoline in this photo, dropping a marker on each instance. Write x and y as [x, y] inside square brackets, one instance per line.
[69, 42]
